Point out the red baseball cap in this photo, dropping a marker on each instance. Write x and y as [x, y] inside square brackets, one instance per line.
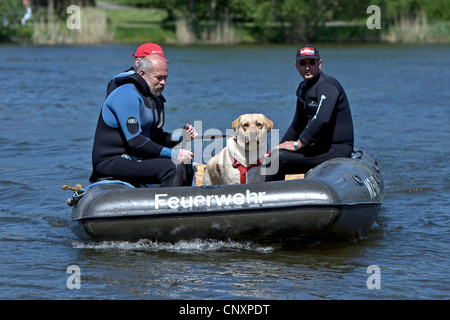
[149, 48]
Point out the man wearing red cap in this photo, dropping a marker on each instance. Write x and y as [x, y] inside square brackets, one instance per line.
[130, 143]
[322, 127]
[142, 51]
[147, 49]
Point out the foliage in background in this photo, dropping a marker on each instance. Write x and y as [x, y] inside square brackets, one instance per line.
[283, 21]
[305, 20]
[11, 12]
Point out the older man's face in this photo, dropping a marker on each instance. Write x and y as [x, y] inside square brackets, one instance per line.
[156, 78]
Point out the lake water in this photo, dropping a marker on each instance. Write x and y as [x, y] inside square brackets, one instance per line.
[50, 99]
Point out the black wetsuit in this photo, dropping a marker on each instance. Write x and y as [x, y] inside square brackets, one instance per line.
[130, 143]
[322, 122]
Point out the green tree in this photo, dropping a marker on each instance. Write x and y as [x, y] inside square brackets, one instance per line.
[10, 12]
[291, 20]
[41, 7]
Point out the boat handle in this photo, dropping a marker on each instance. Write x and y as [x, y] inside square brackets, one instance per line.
[375, 167]
[358, 179]
[358, 154]
[376, 178]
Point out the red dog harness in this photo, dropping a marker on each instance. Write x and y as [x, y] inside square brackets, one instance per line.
[243, 170]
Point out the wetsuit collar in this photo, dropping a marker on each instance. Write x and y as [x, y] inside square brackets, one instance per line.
[139, 82]
[305, 85]
[314, 80]
[141, 85]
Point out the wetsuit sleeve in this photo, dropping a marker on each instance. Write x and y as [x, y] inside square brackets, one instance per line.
[298, 124]
[167, 139]
[327, 97]
[126, 106]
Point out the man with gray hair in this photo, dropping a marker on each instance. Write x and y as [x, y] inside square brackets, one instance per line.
[130, 143]
[142, 51]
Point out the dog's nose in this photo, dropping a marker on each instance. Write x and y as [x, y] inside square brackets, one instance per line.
[253, 134]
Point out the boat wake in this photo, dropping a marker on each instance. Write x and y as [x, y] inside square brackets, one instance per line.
[184, 246]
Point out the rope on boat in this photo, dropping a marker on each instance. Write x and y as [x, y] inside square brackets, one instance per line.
[78, 190]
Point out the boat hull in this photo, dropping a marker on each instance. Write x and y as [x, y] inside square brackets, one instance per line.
[339, 199]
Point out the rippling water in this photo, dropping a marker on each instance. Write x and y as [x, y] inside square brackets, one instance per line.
[50, 99]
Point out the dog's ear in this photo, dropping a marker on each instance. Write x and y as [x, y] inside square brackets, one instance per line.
[269, 123]
[236, 123]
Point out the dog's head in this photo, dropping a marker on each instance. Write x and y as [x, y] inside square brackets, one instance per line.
[252, 128]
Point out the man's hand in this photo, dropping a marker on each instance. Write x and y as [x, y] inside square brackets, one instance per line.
[185, 156]
[191, 133]
[289, 145]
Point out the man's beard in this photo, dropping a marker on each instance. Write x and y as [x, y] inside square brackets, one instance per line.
[157, 90]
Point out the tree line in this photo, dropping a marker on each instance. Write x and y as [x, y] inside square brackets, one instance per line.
[273, 20]
[295, 20]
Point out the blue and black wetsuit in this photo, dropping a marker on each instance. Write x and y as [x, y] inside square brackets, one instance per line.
[113, 84]
[130, 143]
[323, 123]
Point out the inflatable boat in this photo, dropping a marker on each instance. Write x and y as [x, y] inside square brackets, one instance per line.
[339, 199]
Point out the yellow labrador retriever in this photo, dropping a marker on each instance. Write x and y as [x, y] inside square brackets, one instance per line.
[236, 163]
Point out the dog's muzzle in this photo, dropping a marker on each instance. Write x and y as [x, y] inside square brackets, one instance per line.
[253, 135]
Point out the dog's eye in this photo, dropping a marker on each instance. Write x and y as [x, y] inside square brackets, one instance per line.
[245, 125]
[259, 125]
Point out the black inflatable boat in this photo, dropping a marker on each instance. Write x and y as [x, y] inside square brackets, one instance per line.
[338, 199]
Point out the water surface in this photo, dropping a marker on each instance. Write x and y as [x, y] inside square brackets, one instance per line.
[51, 97]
